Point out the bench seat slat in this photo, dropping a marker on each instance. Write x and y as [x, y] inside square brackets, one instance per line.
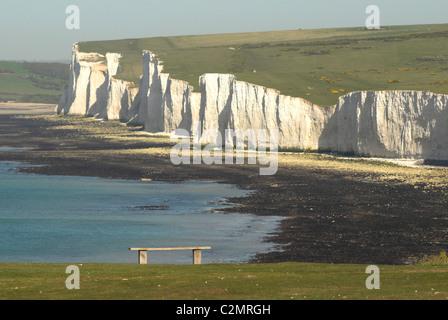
[170, 249]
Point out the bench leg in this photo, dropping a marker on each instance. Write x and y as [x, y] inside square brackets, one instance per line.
[143, 257]
[197, 256]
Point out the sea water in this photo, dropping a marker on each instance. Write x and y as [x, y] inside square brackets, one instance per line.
[95, 220]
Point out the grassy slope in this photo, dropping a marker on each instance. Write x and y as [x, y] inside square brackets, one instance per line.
[18, 86]
[284, 281]
[314, 64]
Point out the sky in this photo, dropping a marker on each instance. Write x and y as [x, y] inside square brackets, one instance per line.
[36, 29]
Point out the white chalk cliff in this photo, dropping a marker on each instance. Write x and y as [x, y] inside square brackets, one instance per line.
[92, 90]
[398, 124]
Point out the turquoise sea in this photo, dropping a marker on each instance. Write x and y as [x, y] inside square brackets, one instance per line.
[94, 220]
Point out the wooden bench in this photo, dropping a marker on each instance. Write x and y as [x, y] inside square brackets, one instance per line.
[143, 253]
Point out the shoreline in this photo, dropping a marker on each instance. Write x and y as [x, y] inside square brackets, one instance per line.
[333, 216]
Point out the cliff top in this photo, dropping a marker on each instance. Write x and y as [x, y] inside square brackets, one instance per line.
[319, 65]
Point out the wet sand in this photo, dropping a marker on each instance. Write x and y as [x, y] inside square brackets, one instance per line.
[339, 210]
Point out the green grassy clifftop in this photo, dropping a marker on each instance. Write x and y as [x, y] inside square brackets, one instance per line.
[318, 64]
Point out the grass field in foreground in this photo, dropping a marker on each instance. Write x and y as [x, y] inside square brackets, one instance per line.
[286, 281]
[317, 64]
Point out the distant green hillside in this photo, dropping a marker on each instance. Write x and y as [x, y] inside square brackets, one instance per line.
[32, 81]
[319, 64]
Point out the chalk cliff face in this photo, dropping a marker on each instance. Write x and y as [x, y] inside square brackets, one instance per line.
[230, 104]
[385, 123]
[92, 90]
[408, 124]
[162, 104]
[216, 100]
